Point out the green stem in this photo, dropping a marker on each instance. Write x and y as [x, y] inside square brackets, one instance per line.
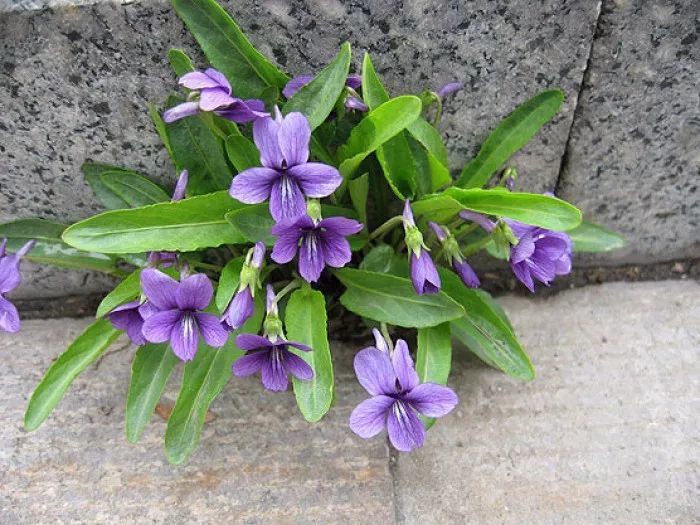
[384, 228]
[438, 111]
[385, 332]
[471, 249]
[296, 283]
[206, 266]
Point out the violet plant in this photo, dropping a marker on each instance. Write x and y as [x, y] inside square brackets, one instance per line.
[330, 195]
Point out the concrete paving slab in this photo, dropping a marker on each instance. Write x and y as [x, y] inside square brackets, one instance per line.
[607, 433]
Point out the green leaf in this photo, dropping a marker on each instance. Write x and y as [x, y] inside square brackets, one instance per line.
[80, 354]
[227, 48]
[305, 321]
[242, 153]
[390, 299]
[180, 62]
[373, 91]
[434, 357]
[530, 208]
[203, 380]
[430, 173]
[379, 259]
[253, 223]
[377, 127]
[317, 98]
[590, 237]
[124, 189]
[184, 226]
[196, 149]
[484, 332]
[425, 133]
[512, 133]
[359, 191]
[127, 290]
[49, 248]
[150, 371]
[228, 282]
[161, 127]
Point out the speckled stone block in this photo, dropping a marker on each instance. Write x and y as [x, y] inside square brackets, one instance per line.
[607, 432]
[633, 160]
[75, 81]
[258, 460]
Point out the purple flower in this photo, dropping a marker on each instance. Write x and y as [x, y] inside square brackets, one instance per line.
[214, 95]
[454, 255]
[285, 176]
[10, 278]
[448, 89]
[179, 318]
[353, 82]
[478, 218]
[241, 307]
[272, 359]
[424, 275]
[397, 397]
[319, 243]
[540, 254]
[127, 317]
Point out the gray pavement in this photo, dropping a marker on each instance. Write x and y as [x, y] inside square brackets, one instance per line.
[607, 433]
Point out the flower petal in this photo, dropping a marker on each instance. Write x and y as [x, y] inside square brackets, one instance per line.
[186, 109]
[160, 289]
[265, 132]
[341, 225]
[315, 179]
[219, 78]
[294, 136]
[406, 431]
[295, 85]
[403, 365]
[195, 292]
[253, 185]
[336, 249]
[311, 257]
[432, 400]
[298, 346]
[243, 111]
[197, 80]
[369, 417]
[252, 342]
[184, 339]
[522, 271]
[375, 372]
[240, 309]
[250, 363]
[354, 81]
[424, 275]
[10, 278]
[9, 318]
[274, 373]
[214, 98]
[466, 273]
[298, 367]
[286, 199]
[158, 327]
[287, 243]
[213, 332]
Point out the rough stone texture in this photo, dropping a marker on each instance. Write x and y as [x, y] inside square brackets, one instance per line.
[608, 433]
[633, 160]
[258, 461]
[75, 81]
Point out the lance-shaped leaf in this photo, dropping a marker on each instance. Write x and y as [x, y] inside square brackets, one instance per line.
[186, 225]
[590, 237]
[127, 290]
[80, 354]
[227, 48]
[150, 371]
[512, 133]
[379, 259]
[118, 189]
[391, 299]
[242, 153]
[203, 380]
[305, 321]
[49, 248]
[484, 332]
[317, 98]
[434, 357]
[377, 127]
[530, 208]
[161, 127]
[180, 62]
[228, 282]
[359, 191]
[197, 149]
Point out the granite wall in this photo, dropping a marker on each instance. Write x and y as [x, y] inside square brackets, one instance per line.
[75, 77]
